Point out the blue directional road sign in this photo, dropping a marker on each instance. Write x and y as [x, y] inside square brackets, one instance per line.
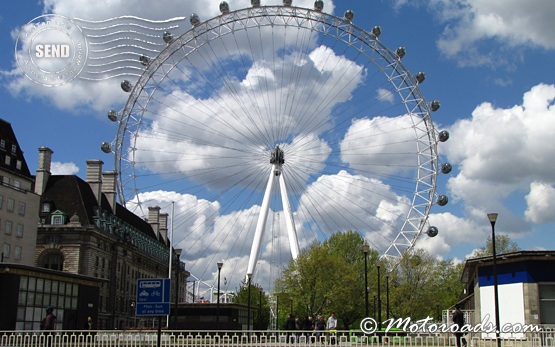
[153, 297]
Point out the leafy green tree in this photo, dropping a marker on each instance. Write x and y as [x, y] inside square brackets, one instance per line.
[326, 278]
[503, 244]
[421, 284]
[260, 305]
[329, 277]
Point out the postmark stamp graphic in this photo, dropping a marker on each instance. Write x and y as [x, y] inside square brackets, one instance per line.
[51, 50]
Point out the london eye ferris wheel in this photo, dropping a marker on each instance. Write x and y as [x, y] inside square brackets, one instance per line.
[281, 123]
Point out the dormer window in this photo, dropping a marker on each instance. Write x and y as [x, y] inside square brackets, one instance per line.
[2, 144]
[14, 149]
[46, 207]
[58, 218]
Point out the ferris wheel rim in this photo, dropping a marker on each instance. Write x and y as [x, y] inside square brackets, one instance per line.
[404, 81]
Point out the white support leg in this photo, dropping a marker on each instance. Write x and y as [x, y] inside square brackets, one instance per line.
[291, 232]
[261, 224]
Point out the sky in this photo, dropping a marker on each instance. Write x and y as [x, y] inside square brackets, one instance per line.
[489, 62]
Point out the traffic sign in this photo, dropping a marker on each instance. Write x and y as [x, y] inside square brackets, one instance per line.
[153, 297]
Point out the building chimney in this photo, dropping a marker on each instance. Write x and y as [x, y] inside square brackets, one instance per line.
[109, 188]
[164, 226]
[43, 170]
[154, 219]
[94, 170]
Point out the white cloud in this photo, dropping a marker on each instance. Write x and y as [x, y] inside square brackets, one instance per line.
[502, 153]
[58, 168]
[471, 25]
[540, 203]
[102, 95]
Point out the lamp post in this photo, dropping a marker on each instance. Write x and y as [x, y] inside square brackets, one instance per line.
[492, 219]
[438, 318]
[387, 296]
[220, 264]
[177, 272]
[379, 302]
[365, 249]
[291, 305]
[277, 311]
[134, 314]
[374, 305]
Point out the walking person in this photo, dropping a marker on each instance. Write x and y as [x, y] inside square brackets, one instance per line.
[458, 319]
[49, 325]
[307, 327]
[320, 327]
[290, 326]
[331, 327]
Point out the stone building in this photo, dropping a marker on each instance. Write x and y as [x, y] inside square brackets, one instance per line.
[18, 203]
[83, 230]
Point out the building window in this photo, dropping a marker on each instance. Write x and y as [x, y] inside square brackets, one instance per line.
[547, 302]
[8, 160]
[58, 217]
[11, 204]
[21, 209]
[1, 201]
[6, 250]
[17, 253]
[14, 148]
[19, 230]
[18, 165]
[53, 261]
[6, 180]
[2, 144]
[46, 207]
[8, 227]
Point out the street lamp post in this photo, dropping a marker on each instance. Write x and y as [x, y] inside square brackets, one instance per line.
[379, 302]
[220, 264]
[365, 249]
[374, 305]
[387, 296]
[492, 219]
[134, 314]
[177, 271]
[277, 311]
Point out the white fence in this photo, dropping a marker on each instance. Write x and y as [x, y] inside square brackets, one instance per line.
[130, 338]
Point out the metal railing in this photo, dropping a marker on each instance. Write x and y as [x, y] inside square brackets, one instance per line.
[149, 338]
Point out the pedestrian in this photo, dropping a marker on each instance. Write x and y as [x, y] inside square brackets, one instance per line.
[320, 327]
[331, 327]
[307, 326]
[290, 325]
[298, 328]
[458, 320]
[49, 325]
[88, 323]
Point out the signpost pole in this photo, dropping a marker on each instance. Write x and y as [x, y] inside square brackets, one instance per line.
[159, 331]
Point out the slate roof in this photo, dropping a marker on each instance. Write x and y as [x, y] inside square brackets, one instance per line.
[72, 195]
[8, 136]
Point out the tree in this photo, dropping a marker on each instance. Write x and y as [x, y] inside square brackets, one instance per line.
[326, 278]
[260, 305]
[422, 284]
[329, 277]
[503, 244]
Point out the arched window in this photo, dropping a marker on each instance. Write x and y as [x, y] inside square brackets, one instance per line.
[53, 261]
